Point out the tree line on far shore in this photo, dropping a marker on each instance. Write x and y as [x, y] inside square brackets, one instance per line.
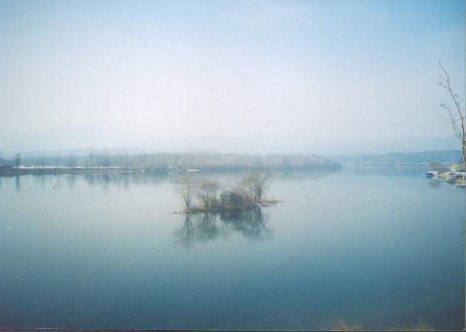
[165, 160]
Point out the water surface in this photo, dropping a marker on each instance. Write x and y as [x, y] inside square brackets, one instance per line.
[378, 249]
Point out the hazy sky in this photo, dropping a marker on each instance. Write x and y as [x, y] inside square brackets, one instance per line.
[77, 74]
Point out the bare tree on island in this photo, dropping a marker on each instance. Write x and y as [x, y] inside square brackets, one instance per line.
[207, 192]
[254, 186]
[186, 187]
[456, 115]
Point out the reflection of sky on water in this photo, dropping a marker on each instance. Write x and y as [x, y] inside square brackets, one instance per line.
[375, 250]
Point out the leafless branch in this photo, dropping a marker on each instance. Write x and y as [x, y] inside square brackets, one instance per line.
[456, 116]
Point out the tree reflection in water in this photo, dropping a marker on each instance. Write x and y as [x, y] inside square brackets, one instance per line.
[201, 227]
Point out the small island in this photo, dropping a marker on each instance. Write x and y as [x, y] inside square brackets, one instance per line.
[207, 196]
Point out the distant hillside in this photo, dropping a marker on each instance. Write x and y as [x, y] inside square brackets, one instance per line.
[444, 156]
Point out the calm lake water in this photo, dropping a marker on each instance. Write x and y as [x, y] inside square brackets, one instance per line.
[379, 249]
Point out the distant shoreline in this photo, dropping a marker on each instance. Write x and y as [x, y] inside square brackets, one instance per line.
[5, 171]
[13, 171]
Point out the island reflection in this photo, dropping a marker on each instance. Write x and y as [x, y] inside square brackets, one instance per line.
[202, 227]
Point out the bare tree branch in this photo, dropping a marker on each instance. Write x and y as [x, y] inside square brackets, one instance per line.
[457, 120]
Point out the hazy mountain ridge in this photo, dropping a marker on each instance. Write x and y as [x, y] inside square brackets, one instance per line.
[82, 140]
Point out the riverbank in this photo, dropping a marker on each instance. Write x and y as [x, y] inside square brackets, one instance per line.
[52, 170]
[14, 171]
